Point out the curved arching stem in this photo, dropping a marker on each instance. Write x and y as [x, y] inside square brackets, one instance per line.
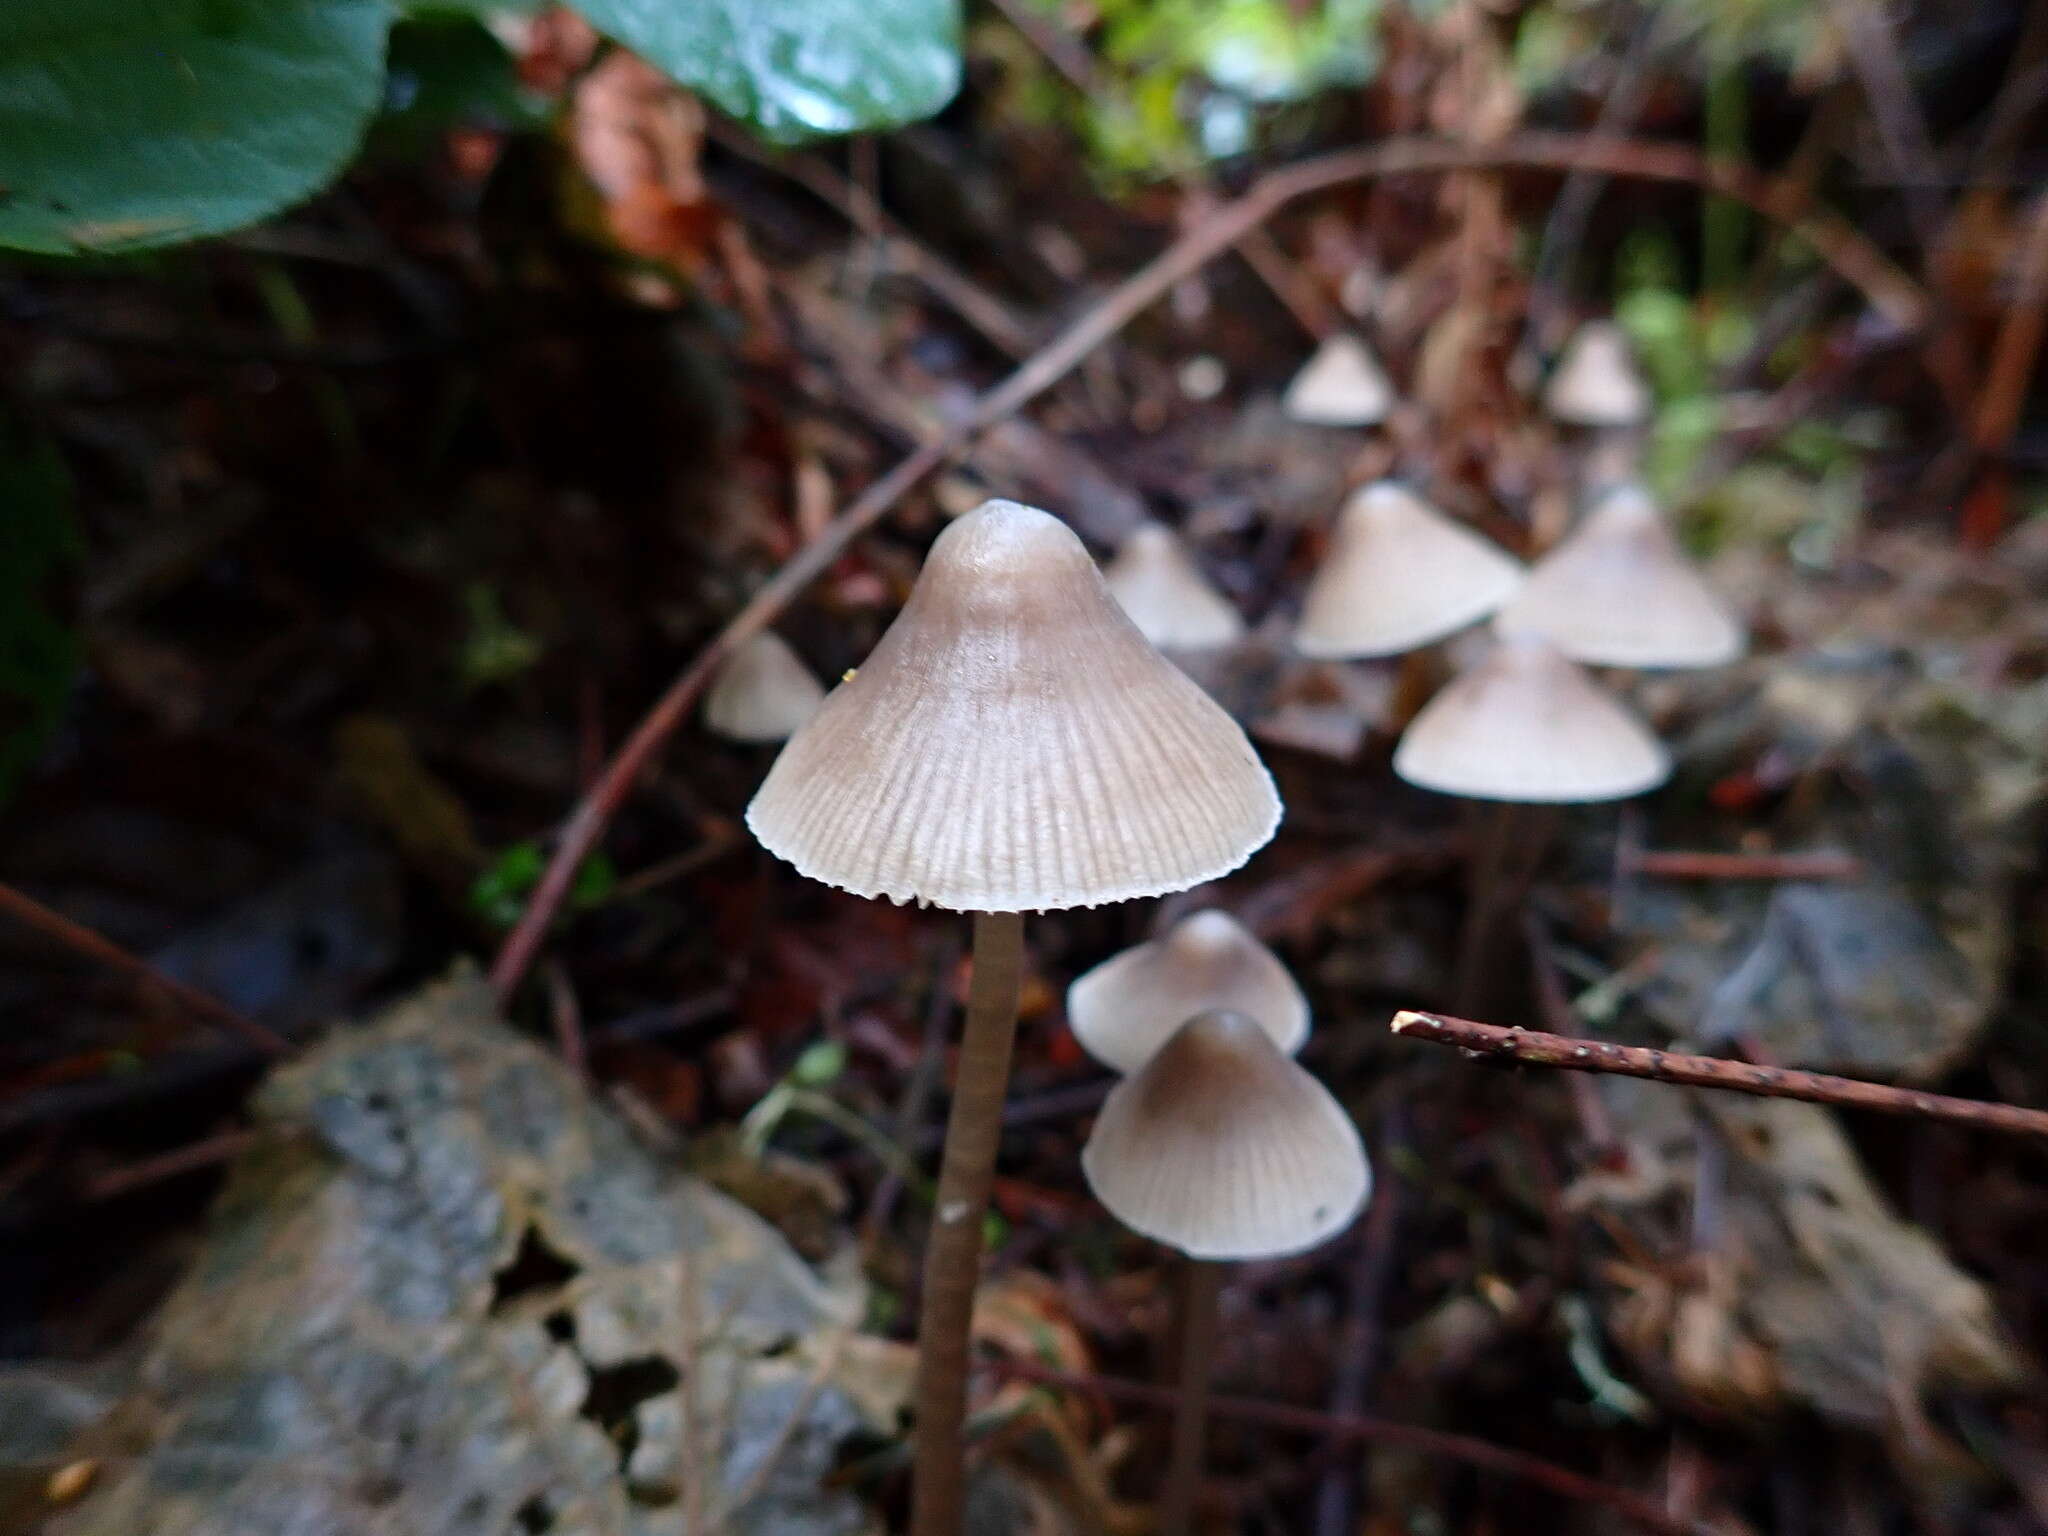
[952, 1255]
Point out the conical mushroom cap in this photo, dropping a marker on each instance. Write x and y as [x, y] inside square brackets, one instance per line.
[1596, 383]
[1618, 592]
[1527, 724]
[762, 692]
[1156, 581]
[1014, 744]
[1223, 1148]
[1127, 1007]
[1343, 385]
[1399, 574]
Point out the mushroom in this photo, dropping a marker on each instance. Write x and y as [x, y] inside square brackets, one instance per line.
[1156, 581]
[1343, 385]
[1596, 383]
[1619, 592]
[1128, 1006]
[1013, 744]
[1524, 726]
[1222, 1147]
[1399, 575]
[762, 692]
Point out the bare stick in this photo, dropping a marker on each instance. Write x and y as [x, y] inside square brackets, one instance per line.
[1890, 291]
[86, 941]
[1430, 1442]
[952, 1255]
[1685, 864]
[1542, 1050]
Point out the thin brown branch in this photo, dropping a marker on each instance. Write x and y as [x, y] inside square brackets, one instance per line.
[1544, 1050]
[76, 936]
[1686, 864]
[1469, 1449]
[1890, 291]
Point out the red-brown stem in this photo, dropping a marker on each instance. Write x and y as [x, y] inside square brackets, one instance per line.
[1545, 1050]
[1430, 1442]
[952, 1255]
[1202, 1282]
[1684, 864]
[103, 949]
[1890, 291]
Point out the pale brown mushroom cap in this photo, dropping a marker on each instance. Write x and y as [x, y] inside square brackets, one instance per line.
[1597, 383]
[1222, 1147]
[1527, 724]
[1619, 592]
[1156, 581]
[1128, 1006]
[762, 692]
[1399, 575]
[1013, 744]
[1343, 385]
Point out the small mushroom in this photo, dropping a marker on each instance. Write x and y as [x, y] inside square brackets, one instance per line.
[1127, 1007]
[1523, 727]
[1527, 725]
[1619, 592]
[1399, 575]
[1222, 1147]
[1343, 385]
[762, 692]
[1156, 581]
[1596, 383]
[1012, 744]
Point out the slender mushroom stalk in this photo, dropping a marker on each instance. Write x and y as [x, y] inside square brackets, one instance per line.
[1524, 727]
[1012, 745]
[1220, 1146]
[952, 1254]
[1201, 1290]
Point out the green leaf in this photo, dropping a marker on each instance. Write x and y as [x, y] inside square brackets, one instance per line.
[132, 123]
[796, 69]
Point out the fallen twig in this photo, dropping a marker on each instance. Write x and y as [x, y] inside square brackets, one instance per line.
[1890, 291]
[1545, 1050]
[1685, 864]
[1436, 1442]
[98, 946]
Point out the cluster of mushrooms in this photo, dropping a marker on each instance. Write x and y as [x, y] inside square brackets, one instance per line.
[1017, 742]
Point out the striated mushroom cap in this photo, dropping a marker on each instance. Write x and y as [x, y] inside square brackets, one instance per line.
[1399, 575]
[1222, 1147]
[762, 692]
[1597, 383]
[1156, 581]
[1013, 744]
[1343, 385]
[1127, 1007]
[1526, 724]
[1618, 592]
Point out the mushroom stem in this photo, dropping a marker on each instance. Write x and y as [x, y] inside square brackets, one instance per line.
[952, 1257]
[1201, 1282]
[1491, 832]
[1509, 841]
